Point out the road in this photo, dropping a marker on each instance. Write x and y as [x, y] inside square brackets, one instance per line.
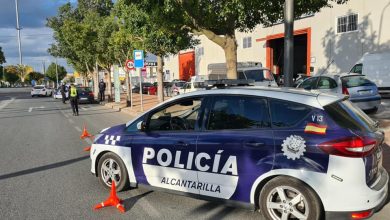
[45, 174]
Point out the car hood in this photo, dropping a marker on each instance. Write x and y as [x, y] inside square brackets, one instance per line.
[114, 129]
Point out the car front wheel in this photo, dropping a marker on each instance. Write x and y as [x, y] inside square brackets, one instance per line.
[284, 198]
[111, 168]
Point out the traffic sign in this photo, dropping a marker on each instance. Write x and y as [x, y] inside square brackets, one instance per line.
[138, 58]
[151, 63]
[130, 64]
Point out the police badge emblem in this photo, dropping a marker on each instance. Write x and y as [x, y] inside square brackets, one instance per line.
[293, 147]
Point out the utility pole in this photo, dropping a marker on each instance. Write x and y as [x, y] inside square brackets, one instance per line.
[288, 67]
[18, 29]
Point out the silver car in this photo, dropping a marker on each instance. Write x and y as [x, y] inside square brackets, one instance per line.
[361, 91]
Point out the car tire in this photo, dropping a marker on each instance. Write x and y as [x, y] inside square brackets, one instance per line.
[108, 165]
[273, 205]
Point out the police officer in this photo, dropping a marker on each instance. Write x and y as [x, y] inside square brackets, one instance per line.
[74, 99]
[102, 88]
[63, 91]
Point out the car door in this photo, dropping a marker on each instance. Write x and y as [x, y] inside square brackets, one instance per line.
[166, 148]
[236, 146]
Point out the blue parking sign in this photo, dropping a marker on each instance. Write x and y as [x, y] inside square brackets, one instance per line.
[138, 58]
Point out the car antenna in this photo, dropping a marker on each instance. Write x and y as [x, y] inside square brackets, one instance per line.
[330, 63]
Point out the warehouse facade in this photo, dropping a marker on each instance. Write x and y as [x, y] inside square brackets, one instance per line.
[337, 36]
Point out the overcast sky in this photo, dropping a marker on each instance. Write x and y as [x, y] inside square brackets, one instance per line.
[35, 36]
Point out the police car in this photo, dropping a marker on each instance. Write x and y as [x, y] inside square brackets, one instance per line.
[290, 153]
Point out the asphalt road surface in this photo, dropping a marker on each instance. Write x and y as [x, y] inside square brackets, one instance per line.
[45, 174]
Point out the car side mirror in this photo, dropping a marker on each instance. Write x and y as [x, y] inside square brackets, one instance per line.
[141, 126]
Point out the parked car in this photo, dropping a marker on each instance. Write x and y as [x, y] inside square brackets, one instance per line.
[145, 88]
[191, 87]
[176, 85]
[293, 154]
[41, 90]
[85, 95]
[361, 91]
[57, 94]
[262, 76]
[300, 79]
[376, 67]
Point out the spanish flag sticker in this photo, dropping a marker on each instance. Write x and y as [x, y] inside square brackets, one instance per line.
[313, 128]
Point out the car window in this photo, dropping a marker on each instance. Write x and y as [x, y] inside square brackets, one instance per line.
[357, 68]
[309, 83]
[181, 115]
[241, 75]
[346, 115]
[256, 75]
[287, 114]
[355, 81]
[179, 84]
[238, 112]
[133, 126]
[38, 87]
[327, 83]
[199, 85]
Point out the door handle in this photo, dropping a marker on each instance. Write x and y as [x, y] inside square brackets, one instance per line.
[254, 144]
[181, 144]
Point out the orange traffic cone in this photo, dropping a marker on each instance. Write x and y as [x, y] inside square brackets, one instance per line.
[87, 148]
[85, 133]
[113, 200]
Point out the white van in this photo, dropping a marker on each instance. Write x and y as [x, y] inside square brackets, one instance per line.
[376, 67]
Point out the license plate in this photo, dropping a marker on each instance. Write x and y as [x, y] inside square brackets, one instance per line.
[365, 92]
[83, 98]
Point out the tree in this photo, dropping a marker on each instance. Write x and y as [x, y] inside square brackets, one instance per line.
[2, 57]
[147, 31]
[11, 74]
[51, 72]
[37, 76]
[218, 20]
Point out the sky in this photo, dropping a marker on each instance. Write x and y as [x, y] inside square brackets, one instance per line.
[35, 36]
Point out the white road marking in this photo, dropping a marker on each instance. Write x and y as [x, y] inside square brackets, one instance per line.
[6, 102]
[31, 108]
[77, 128]
[83, 108]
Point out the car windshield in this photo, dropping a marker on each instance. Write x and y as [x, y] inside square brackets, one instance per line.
[38, 87]
[346, 115]
[355, 81]
[259, 75]
[84, 89]
[179, 84]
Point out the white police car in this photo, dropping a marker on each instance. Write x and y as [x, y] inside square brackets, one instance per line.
[292, 154]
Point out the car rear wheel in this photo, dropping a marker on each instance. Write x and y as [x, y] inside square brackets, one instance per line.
[111, 168]
[284, 198]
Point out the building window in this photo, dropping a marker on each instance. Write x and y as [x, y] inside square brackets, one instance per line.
[347, 23]
[247, 42]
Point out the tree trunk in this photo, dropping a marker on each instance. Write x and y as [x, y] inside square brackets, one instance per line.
[95, 79]
[109, 86]
[160, 83]
[230, 49]
[229, 45]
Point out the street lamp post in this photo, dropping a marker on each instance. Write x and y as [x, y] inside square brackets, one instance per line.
[18, 29]
[288, 67]
[56, 73]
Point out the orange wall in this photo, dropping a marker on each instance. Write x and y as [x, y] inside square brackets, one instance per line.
[186, 65]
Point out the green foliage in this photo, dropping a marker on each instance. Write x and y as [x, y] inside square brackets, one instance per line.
[51, 72]
[2, 57]
[34, 76]
[11, 74]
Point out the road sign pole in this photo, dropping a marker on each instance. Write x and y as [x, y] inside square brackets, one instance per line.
[140, 88]
[131, 90]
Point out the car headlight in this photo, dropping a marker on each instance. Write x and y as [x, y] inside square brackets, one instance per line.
[97, 137]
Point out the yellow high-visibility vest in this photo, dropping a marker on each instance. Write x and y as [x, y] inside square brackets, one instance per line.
[73, 91]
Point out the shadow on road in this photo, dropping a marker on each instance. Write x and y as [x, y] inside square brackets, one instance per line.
[42, 168]
[130, 202]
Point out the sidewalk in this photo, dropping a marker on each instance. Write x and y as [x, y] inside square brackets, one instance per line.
[149, 101]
